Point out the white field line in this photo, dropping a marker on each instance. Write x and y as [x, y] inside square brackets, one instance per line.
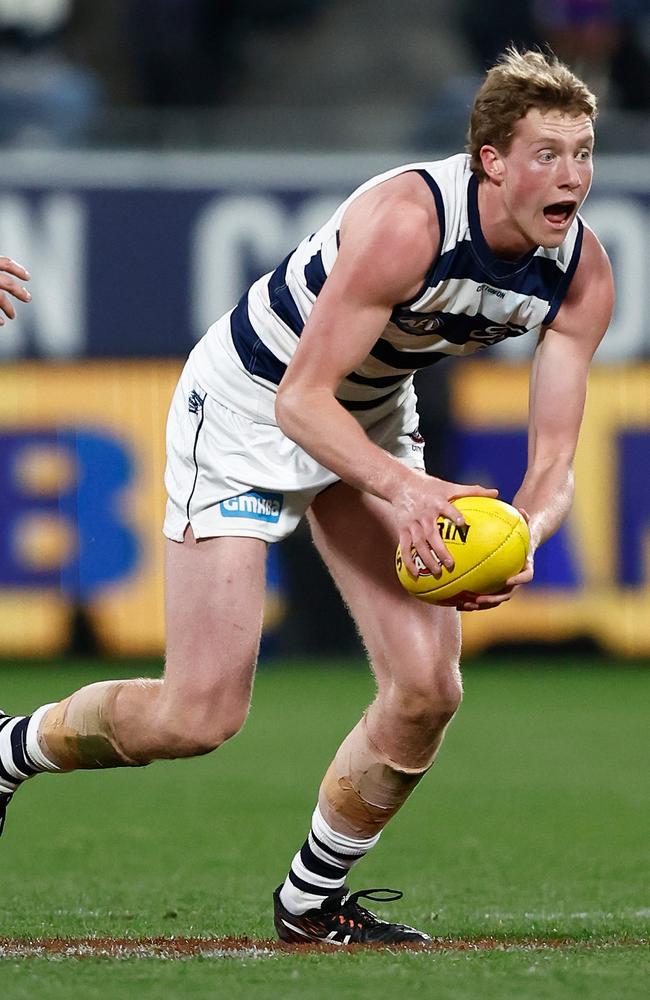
[121, 950]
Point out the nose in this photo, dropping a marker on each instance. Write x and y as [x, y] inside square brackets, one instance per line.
[570, 175]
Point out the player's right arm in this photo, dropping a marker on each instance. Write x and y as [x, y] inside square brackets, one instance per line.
[389, 238]
[11, 276]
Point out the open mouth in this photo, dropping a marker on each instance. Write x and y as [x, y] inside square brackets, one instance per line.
[559, 213]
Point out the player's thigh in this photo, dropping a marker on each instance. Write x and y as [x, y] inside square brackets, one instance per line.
[410, 643]
[214, 600]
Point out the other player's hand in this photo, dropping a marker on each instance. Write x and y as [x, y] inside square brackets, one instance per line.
[420, 502]
[12, 275]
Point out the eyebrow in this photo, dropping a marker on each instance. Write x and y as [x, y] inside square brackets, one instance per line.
[586, 139]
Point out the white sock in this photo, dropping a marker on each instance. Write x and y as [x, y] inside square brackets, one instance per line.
[34, 749]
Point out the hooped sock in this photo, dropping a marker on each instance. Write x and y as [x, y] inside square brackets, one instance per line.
[21, 756]
[321, 866]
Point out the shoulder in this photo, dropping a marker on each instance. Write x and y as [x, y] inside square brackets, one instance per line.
[590, 297]
[391, 234]
[399, 208]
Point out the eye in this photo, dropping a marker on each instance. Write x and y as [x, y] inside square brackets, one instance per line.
[545, 155]
[584, 155]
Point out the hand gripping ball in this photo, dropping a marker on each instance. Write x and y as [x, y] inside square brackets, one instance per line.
[489, 548]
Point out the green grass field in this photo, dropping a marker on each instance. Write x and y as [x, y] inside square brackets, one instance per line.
[533, 824]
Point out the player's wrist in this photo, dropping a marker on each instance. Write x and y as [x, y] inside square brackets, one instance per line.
[396, 482]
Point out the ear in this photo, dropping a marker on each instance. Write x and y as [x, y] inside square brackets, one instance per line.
[492, 163]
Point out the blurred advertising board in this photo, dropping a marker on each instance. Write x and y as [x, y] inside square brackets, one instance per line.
[132, 256]
[82, 500]
[592, 579]
[82, 457]
[136, 254]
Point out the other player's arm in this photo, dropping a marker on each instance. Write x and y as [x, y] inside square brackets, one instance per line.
[11, 276]
[558, 389]
[389, 237]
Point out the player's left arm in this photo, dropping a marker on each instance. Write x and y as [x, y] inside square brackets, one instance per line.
[558, 388]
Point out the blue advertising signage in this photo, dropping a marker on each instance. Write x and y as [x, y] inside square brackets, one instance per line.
[135, 255]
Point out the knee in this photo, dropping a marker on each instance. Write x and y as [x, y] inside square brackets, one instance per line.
[431, 702]
[207, 731]
[198, 727]
[447, 693]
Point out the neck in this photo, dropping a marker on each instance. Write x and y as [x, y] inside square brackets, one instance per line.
[500, 232]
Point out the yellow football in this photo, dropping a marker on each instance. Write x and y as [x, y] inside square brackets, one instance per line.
[489, 548]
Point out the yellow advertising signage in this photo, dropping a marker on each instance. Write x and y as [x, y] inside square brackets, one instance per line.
[82, 499]
[593, 577]
[82, 456]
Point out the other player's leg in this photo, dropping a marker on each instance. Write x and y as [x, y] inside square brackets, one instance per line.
[414, 649]
[214, 605]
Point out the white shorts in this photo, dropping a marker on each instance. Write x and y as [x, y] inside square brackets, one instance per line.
[228, 475]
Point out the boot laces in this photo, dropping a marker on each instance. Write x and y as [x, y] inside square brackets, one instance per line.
[356, 915]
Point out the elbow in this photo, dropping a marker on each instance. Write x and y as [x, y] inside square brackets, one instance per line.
[286, 410]
[300, 408]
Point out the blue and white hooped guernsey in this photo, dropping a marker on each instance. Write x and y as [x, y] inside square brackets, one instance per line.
[470, 300]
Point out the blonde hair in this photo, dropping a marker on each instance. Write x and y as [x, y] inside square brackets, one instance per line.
[518, 82]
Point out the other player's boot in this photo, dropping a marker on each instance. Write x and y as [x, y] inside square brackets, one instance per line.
[341, 920]
[9, 783]
[5, 799]
[17, 763]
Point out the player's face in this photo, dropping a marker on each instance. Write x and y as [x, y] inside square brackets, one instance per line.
[547, 174]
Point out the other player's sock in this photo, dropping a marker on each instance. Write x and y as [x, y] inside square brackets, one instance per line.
[321, 865]
[20, 753]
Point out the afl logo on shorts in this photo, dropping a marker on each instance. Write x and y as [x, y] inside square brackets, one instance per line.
[257, 505]
[417, 442]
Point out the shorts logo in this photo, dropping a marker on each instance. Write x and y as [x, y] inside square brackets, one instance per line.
[195, 401]
[256, 505]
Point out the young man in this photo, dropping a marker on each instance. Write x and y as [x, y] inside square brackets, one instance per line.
[299, 401]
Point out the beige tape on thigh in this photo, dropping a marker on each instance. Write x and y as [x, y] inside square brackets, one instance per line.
[79, 732]
[363, 787]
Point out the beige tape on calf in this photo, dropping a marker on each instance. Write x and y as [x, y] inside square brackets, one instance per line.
[79, 732]
[363, 787]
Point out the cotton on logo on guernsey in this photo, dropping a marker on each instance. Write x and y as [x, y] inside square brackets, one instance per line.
[500, 294]
[256, 505]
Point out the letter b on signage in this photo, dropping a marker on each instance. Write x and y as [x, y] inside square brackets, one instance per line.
[60, 517]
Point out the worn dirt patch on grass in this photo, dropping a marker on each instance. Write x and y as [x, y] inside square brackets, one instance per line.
[172, 948]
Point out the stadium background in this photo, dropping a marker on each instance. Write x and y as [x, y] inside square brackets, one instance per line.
[158, 156]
